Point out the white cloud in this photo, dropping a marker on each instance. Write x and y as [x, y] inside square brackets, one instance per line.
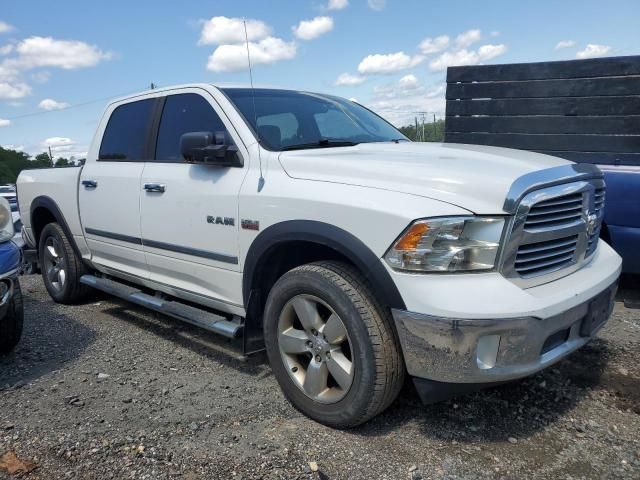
[4, 122]
[593, 50]
[467, 57]
[224, 30]
[5, 27]
[402, 111]
[57, 142]
[389, 63]
[10, 146]
[35, 52]
[377, 4]
[468, 38]
[310, 29]
[348, 79]
[407, 86]
[337, 4]
[6, 49]
[434, 45]
[13, 91]
[64, 147]
[51, 104]
[409, 82]
[565, 44]
[228, 58]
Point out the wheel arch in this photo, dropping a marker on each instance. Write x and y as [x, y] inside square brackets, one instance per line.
[326, 239]
[45, 210]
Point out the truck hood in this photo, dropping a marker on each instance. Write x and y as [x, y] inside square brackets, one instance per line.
[473, 177]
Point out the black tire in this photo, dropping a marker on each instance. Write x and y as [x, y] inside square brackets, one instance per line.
[11, 324]
[377, 364]
[70, 290]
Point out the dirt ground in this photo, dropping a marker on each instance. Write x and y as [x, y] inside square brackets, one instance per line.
[109, 390]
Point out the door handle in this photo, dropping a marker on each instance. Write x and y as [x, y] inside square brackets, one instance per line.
[154, 187]
[90, 183]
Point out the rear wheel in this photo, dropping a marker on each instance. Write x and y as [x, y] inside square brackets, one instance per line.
[61, 267]
[11, 323]
[332, 346]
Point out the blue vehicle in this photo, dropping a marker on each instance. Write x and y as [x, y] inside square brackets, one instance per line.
[621, 227]
[11, 310]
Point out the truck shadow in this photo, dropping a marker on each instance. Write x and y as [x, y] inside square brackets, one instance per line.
[517, 409]
[50, 339]
[214, 347]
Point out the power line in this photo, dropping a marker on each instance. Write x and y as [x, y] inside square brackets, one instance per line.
[77, 105]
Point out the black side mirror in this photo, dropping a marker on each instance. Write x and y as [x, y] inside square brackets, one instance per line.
[210, 148]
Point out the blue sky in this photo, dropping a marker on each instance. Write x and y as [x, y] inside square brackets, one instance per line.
[389, 55]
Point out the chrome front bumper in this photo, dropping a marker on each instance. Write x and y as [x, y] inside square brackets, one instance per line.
[496, 350]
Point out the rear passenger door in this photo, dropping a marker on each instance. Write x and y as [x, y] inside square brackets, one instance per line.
[109, 190]
[189, 212]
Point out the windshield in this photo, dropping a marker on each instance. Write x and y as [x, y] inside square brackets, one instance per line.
[290, 120]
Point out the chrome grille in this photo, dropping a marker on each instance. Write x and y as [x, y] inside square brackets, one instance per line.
[554, 231]
[599, 210]
[538, 258]
[555, 212]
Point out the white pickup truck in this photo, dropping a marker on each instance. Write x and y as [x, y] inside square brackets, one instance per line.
[305, 224]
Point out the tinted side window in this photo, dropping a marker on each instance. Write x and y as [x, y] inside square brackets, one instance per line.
[126, 133]
[184, 113]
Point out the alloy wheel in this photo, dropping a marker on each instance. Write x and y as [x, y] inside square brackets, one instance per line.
[55, 263]
[315, 348]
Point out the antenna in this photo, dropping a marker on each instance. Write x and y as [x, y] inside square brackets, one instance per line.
[253, 98]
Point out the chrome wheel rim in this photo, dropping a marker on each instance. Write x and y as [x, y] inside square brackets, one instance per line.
[315, 348]
[55, 265]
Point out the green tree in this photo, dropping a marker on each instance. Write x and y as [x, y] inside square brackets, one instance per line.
[13, 162]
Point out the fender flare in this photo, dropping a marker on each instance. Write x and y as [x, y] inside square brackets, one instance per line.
[369, 264]
[48, 203]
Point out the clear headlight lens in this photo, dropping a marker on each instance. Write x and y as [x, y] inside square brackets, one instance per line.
[449, 244]
[6, 222]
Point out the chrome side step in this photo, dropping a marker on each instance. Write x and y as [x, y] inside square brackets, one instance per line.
[196, 316]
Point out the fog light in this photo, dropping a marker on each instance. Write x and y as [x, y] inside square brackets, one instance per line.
[4, 291]
[487, 352]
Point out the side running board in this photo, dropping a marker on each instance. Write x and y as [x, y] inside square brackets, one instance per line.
[201, 318]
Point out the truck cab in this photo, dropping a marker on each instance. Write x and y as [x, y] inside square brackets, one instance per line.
[307, 225]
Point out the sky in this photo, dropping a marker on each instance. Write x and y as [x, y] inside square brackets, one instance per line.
[61, 62]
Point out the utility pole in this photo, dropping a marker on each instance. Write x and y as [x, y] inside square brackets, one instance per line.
[50, 156]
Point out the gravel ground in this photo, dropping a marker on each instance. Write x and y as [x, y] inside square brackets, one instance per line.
[108, 390]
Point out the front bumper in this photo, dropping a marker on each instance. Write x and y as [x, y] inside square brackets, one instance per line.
[476, 351]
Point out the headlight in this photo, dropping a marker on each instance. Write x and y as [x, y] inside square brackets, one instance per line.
[6, 222]
[450, 244]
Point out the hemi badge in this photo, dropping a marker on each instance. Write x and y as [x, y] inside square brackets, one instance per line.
[250, 224]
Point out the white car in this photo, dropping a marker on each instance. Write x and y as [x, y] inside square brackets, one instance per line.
[309, 224]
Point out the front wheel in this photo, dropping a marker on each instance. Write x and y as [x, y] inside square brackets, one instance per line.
[332, 346]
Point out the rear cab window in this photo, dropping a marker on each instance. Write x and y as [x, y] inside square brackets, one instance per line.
[127, 132]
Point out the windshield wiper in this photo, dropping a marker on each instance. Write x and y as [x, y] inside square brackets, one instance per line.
[322, 143]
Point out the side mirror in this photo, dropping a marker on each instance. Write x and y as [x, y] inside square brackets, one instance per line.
[210, 148]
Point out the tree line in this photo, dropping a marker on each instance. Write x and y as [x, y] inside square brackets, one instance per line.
[13, 162]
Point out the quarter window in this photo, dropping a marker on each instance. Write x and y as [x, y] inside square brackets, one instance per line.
[125, 137]
[184, 113]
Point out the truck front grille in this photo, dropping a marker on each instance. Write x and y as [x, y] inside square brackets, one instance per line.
[537, 258]
[555, 230]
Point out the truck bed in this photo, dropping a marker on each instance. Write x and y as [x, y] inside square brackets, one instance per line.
[51, 185]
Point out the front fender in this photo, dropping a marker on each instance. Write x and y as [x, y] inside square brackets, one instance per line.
[330, 236]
